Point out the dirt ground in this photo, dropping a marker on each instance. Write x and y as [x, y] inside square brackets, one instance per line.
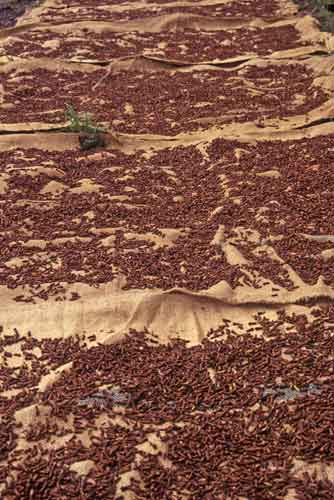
[10, 10]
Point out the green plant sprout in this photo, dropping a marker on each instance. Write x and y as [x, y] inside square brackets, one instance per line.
[82, 122]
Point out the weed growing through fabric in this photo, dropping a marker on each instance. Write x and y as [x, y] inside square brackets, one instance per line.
[90, 133]
[82, 122]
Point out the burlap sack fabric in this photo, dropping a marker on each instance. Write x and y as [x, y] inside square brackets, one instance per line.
[208, 218]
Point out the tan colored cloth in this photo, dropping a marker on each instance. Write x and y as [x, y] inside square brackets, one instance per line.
[111, 310]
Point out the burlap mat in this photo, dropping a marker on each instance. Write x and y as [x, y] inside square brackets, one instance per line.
[207, 218]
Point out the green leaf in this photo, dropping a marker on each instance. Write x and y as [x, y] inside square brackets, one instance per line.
[81, 122]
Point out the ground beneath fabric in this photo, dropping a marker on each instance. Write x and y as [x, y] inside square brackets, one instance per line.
[166, 301]
[10, 10]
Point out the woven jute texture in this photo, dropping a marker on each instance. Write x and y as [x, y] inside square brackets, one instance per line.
[166, 300]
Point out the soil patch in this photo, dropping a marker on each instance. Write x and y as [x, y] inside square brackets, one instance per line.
[10, 10]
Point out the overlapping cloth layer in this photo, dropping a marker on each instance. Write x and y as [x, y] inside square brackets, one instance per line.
[158, 296]
[281, 94]
[55, 11]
